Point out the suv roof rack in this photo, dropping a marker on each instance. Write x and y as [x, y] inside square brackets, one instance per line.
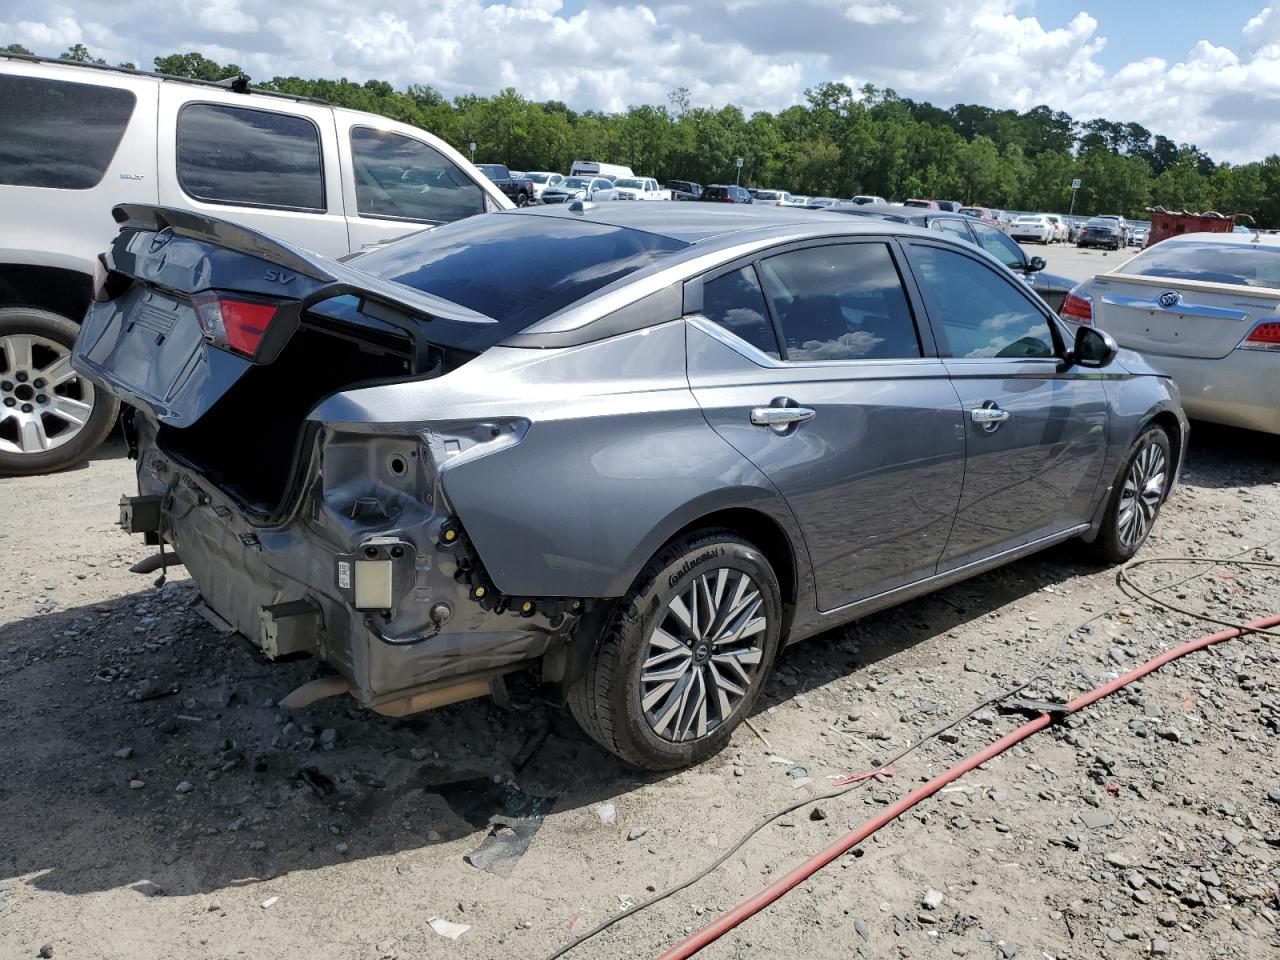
[236, 84]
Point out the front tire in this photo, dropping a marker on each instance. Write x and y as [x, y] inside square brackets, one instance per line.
[685, 653]
[51, 418]
[1136, 501]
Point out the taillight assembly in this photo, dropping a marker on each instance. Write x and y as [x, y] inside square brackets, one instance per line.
[1265, 336]
[1077, 308]
[230, 322]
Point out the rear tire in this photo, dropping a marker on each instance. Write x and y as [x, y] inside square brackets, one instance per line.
[684, 655]
[1136, 500]
[40, 435]
[522, 199]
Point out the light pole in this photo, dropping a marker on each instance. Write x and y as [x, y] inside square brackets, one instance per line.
[472, 145]
[1075, 185]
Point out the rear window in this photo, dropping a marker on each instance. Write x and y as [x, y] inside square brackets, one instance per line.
[401, 178]
[250, 158]
[516, 269]
[716, 192]
[1245, 265]
[59, 134]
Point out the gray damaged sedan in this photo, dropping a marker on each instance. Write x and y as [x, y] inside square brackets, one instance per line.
[636, 448]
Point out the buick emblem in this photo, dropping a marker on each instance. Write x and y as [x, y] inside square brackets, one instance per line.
[1169, 299]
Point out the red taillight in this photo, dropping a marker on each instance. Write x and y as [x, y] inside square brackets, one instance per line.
[1265, 336]
[238, 325]
[1077, 308]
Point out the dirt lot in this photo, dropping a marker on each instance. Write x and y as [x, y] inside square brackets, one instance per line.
[155, 803]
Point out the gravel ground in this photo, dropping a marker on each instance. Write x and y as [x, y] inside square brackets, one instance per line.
[155, 802]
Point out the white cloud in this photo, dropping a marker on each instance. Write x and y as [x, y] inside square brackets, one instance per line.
[759, 54]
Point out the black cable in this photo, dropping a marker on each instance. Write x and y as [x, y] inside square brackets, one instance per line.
[832, 794]
[769, 818]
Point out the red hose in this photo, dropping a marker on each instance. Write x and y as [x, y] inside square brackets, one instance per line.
[750, 907]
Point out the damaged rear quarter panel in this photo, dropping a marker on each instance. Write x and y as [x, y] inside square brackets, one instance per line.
[611, 465]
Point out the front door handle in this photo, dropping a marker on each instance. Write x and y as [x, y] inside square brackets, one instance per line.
[781, 416]
[989, 417]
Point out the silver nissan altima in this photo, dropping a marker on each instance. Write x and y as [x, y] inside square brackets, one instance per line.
[633, 449]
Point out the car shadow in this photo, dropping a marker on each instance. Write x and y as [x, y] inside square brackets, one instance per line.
[143, 750]
[1219, 456]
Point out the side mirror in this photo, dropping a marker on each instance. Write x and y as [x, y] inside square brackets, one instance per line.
[1094, 347]
[1035, 264]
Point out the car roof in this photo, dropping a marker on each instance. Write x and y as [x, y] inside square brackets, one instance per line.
[240, 85]
[714, 233]
[695, 223]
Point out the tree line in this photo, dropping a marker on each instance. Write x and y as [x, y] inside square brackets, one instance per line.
[839, 142]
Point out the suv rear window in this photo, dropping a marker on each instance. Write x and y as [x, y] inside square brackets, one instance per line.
[1246, 265]
[249, 157]
[516, 269]
[402, 178]
[716, 192]
[59, 134]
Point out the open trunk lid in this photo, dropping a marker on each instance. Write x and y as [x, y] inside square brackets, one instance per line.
[191, 303]
[1179, 318]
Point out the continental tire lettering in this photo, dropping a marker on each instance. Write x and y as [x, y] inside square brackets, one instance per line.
[688, 566]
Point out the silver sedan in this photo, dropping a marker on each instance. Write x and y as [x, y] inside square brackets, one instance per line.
[1204, 308]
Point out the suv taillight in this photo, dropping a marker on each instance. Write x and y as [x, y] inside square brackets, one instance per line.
[1077, 308]
[1265, 336]
[239, 325]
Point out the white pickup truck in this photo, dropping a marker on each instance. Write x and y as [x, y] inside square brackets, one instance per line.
[640, 188]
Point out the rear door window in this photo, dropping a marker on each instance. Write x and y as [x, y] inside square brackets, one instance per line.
[735, 302]
[250, 157]
[59, 134]
[977, 311]
[400, 178]
[956, 228]
[998, 244]
[841, 302]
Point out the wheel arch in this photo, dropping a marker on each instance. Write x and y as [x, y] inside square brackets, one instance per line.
[60, 290]
[766, 533]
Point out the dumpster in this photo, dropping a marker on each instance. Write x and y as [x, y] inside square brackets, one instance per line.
[1171, 223]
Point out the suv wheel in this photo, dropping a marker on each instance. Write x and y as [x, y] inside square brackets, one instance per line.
[1137, 499]
[522, 199]
[685, 653]
[50, 416]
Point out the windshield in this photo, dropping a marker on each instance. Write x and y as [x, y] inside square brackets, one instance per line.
[576, 182]
[766, 195]
[971, 211]
[1102, 224]
[1245, 265]
[538, 177]
[515, 269]
[629, 183]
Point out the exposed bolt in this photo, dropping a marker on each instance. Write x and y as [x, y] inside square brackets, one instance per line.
[21, 376]
[38, 383]
[41, 398]
[9, 401]
[5, 385]
[440, 613]
[27, 408]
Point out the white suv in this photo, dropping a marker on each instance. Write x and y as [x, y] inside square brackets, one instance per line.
[80, 139]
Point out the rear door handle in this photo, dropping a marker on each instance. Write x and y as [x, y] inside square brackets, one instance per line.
[781, 416]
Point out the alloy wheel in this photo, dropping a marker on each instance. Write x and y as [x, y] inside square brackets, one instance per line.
[43, 402]
[1144, 484]
[703, 655]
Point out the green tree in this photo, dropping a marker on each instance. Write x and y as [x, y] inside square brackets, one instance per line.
[18, 48]
[196, 66]
[79, 53]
